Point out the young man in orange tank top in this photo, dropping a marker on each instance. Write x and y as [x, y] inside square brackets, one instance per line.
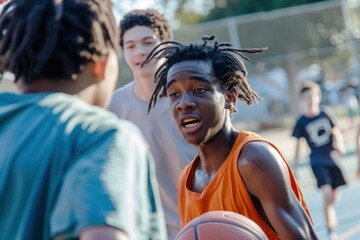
[234, 170]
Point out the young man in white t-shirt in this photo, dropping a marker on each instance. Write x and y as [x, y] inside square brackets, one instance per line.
[140, 31]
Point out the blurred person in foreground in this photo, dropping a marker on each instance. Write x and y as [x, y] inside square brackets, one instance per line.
[235, 170]
[140, 31]
[69, 170]
[318, 126]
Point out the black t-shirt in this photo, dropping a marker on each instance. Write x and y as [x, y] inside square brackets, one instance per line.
[317, 132]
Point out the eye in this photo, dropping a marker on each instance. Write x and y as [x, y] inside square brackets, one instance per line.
[200, 90]
[173, 95]
[129, 46]
[148, 43]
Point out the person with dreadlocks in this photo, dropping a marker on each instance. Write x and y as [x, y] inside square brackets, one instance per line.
[140, 31]
[234, 170]
[69, 170]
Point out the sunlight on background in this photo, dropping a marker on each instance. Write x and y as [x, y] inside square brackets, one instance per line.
[123, 6]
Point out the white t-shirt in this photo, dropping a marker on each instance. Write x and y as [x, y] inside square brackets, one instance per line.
[168, 147]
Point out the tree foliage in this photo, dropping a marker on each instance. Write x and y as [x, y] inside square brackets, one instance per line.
[227, 8]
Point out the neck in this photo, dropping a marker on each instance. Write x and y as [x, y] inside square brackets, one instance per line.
[43, 85]
[215, 151]
[82, 89]
[313, 112]
[144, 87]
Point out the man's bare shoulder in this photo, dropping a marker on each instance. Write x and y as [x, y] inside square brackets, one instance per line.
[256, 153]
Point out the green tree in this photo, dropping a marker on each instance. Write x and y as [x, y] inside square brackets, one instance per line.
[218, 9]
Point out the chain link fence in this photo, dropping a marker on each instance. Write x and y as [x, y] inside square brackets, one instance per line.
[311, 42]
[317, 42]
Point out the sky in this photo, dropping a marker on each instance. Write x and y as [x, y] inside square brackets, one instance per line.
[122, 6]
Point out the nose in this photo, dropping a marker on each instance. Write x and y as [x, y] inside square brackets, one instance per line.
[185, 103]
[312, 99]
[141, 50]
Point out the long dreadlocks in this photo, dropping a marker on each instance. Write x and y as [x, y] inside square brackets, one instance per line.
[53, 39]
[227, 65]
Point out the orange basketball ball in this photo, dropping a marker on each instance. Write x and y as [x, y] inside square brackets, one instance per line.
[221, 225]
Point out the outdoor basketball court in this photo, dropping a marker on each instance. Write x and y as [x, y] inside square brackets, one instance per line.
[348, 208]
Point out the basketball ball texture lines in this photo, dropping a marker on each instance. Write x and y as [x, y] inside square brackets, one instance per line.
[221, 225]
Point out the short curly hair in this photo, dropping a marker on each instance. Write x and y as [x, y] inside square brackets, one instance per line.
[149, 18]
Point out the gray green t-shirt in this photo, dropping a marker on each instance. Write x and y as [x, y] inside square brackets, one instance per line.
[66, 166]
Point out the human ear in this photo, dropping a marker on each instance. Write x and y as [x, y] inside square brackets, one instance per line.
[230, 99]
[99, 67]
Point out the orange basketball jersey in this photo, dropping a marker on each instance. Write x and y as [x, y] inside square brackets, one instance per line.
[227, 191]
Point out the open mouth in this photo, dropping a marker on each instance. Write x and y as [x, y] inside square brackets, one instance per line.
[190, 122]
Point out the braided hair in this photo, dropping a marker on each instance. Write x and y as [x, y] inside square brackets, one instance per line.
[150, 18]
[54, 39]
[227, 65]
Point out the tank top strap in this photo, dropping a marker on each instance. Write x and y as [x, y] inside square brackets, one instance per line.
[245, 137]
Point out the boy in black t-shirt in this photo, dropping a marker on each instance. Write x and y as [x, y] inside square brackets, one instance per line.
[318, 126]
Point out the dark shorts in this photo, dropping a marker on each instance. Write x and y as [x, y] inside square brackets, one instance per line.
[328, 175]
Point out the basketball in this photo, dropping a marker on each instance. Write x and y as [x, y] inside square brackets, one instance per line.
[221, 225]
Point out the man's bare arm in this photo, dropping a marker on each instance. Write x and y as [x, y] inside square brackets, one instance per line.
[267, 179]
